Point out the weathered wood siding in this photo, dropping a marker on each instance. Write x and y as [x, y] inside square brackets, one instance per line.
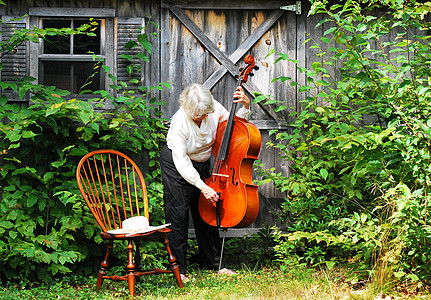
[228, 31]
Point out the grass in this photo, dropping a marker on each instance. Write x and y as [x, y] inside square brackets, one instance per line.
[265, 283]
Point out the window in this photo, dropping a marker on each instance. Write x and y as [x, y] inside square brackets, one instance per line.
[67, 61]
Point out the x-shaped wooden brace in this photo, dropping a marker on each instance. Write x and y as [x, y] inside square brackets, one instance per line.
[228, 63]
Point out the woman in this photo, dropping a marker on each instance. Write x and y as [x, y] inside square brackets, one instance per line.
[185, 163]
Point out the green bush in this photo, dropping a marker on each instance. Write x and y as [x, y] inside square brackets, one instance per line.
[45, 227]
[360, 149]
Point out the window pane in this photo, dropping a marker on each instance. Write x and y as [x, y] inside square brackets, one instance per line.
[84, 43]
[56, 74]
[56, 44]
[83, 71]
[70, 76]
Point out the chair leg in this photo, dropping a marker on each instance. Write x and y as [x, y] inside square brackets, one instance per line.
[172, 260]
[104, 266]
[131, 270]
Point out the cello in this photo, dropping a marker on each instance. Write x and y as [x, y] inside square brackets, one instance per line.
[236, 148]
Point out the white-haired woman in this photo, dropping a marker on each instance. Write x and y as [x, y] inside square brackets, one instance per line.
[185, 163]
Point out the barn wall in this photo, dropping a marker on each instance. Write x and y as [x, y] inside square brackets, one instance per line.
[181, 59]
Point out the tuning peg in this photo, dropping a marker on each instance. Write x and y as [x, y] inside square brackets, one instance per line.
[236, 76]
[241, 69]
[251, 74]
[256, 68]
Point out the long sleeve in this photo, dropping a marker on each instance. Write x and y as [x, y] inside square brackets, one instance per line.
[178, 138]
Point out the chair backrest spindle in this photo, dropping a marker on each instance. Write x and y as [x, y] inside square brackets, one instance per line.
[103, 209]
[129, 194]
[136, 191]
[114, 188]
[108, 194]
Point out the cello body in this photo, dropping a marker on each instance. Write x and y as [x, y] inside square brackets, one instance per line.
[238, 203]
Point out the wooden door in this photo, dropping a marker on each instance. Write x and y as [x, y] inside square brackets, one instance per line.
[206, 42]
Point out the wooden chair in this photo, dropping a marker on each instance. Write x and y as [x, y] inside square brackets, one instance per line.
[114, 189]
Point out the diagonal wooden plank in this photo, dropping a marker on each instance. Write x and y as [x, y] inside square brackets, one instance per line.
[206, 42]
[220, 56]
[244, 47]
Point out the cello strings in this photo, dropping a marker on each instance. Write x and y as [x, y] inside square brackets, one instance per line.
[229, 126]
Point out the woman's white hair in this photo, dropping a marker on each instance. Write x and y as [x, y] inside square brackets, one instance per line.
[197, 100]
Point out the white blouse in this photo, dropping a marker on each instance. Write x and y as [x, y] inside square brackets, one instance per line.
[188, 141]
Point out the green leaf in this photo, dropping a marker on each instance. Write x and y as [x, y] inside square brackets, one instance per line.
[6, 224]
[13, 234]
[323, 21]
[89, 231]
[32, 200]
[48, 176]
[130, 44]
[280, 108]
[14, 135]
[330, 30]
[413, 277]
[128, 57]
[325, 39]
[3, 100]
[95, 126]
[259, 98]
[53, 109]
[41, 204]
[25, 170]
[324, 173]
[143, 57]
[147, 45]
[322, 82]
[28, 134]
[405, 17]
[85, 116]
[59, 163]
[304, 88]
[13, 146]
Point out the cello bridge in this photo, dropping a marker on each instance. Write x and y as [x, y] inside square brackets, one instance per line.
[221, 175]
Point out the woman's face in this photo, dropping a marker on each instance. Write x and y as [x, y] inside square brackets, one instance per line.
[199, 118]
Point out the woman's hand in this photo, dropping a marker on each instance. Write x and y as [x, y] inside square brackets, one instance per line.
[240, 97]
[209, 194]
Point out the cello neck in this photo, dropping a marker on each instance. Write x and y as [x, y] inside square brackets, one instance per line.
[242, 78]
[227, 134]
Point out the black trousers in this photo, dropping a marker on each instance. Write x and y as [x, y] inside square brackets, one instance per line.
[180, 197]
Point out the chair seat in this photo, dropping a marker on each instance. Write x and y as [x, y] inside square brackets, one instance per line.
[147, 235]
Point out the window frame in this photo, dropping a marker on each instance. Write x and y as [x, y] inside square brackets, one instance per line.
[107, 36]
[70, 58]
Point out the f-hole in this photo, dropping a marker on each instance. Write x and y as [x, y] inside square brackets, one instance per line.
[235, 183]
